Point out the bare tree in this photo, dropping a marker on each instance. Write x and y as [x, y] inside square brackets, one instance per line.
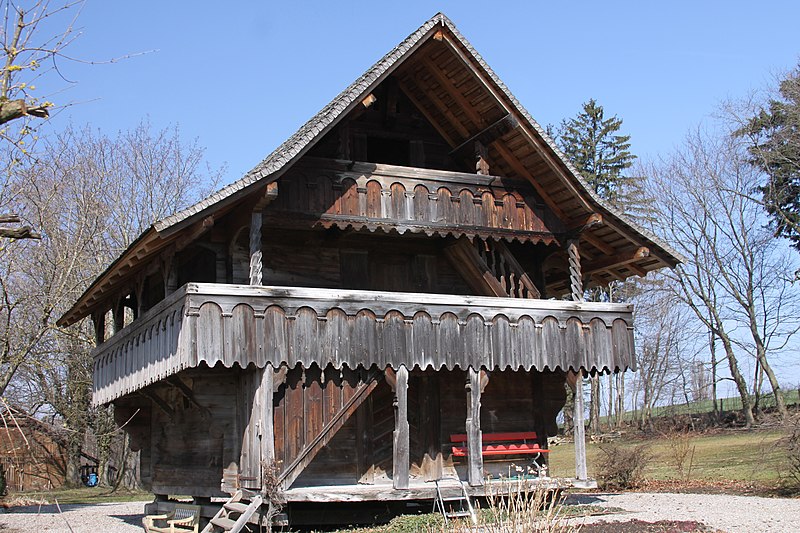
[91, 195]
[660, 329]
[30, 47]
[734, 279]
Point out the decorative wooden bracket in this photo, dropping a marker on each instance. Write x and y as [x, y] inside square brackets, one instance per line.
[197, 231]
[186, 392]
[160, 403]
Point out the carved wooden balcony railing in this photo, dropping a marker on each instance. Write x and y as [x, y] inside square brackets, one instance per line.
[235, 324]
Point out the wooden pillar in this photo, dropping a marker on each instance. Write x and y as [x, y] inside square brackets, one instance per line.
[579, 431]
[473, 426]
[256, 265]
[400, 448]
[258, 441]
[266, 418]
[99, 322]
[118, 314]
[139, 293]
[169, 272]
[481, 159]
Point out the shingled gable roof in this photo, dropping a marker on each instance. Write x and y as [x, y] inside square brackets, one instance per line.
[271, 168]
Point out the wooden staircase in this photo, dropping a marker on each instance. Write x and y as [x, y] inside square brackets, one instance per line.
[235, 513]
[491, 269]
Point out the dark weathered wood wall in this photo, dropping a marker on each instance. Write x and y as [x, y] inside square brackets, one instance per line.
[382, 197]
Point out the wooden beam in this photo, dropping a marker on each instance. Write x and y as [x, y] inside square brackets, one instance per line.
[401, 440]
[368, 100]
[616, 261]
[473, 428]
[636, 269]
[488, 135]
[597, 243]
[443, 109]
[447, 86]
[520, 169]
[422, 109]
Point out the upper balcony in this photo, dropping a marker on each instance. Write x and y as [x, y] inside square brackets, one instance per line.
[227, 324]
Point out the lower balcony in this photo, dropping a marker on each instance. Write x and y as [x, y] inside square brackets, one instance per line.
[218, 324]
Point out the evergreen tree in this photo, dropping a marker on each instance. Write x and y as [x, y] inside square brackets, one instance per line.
[775, 136]
[602, 155]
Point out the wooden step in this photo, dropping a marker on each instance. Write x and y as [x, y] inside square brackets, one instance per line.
[224, 523]
[458, 514]
[235, 507]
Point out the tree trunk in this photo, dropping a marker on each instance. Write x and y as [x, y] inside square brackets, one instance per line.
[594, 403]
[713, 347]
[569, 405]
[773, 380]
[620, 399]
[741, 385]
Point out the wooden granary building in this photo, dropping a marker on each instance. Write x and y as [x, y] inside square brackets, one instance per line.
[407, 267]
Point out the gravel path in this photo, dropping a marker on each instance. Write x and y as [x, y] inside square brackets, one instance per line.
[103, 517]
[730, 514]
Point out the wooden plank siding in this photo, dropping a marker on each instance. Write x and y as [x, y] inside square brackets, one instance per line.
[204, 323]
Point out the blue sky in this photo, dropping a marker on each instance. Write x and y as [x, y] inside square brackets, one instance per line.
[240, 76]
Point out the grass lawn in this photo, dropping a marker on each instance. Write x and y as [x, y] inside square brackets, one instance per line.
[748, 456]
[78, 495]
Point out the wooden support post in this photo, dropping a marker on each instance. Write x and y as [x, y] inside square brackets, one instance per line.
[267, 432]
[118, 315]
[579, 431]
[576, 287]
[256, 265]
[169, 271]
[258, 441]
[400, 449]
[99, 322]
[481, 159]
[474, 435]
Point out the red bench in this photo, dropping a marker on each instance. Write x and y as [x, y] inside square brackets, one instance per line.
[513, 443]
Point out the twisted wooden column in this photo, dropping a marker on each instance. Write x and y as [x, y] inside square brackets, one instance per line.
[579, 432]
[256, 266]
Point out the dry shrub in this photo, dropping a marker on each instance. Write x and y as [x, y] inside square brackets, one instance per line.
[790, 443]
[273, 495]
[622, 467]
[523, 505]
[682, 454]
